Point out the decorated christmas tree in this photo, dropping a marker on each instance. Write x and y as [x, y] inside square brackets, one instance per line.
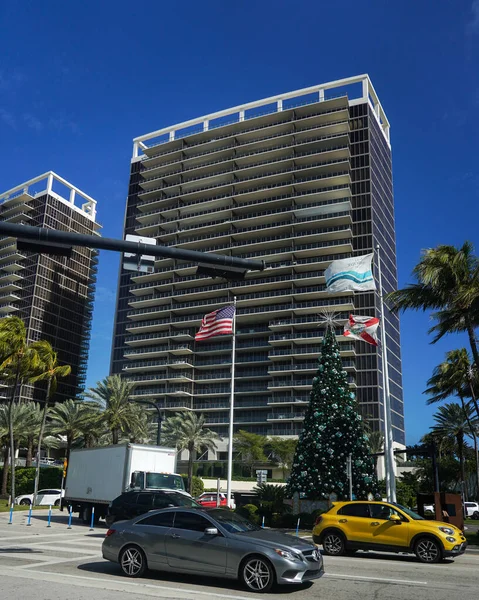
[333, 429]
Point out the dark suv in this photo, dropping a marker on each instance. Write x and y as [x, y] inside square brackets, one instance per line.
[133, 504]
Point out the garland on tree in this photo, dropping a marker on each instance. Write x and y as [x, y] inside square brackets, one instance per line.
[333, 429]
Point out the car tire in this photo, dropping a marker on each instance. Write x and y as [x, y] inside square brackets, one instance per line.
[133, 561]
[25, 502]
[56, 503]
[85, 515]
[334, 543]
[257, 574]
[475, 515]
[428, 550]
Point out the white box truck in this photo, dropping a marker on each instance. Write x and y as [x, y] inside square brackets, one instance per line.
[96, 476]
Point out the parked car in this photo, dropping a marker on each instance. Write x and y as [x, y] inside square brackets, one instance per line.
[350, 526]
[47, 497]
[208, 499]
[471, 510]
[133, 504]
[215, 542]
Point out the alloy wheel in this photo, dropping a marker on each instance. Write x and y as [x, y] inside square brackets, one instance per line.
[257, 575]
[333, 544]
[132, 562]
[427, 551]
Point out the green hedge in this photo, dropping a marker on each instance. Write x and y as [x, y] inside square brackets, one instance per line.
[196, 483]
[50, 477]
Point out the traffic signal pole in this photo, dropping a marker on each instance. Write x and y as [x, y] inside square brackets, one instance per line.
[41, 238]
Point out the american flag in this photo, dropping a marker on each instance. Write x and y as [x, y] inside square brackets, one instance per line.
[218, 322]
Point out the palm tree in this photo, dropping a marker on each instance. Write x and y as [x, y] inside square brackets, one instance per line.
[452, 423]
[376, 446]
[186, 431]
[17, 364]
[250, 448]
[283, 451]
[453, 378]
[448, 283]
[4, 441]
[112, 396]
[69, 419]
[50, 372]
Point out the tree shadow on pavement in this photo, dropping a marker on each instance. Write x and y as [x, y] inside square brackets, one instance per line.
[106, 567]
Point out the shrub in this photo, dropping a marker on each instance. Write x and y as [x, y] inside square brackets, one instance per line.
[50, 477]
[250, 512]
[197, 485]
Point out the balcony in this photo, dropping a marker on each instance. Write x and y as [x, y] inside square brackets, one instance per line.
[285, 417]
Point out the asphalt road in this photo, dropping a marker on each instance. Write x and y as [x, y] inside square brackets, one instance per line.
[58, 563]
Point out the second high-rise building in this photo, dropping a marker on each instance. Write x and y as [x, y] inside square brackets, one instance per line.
[297, 180]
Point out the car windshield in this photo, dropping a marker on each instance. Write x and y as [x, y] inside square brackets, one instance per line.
[182, 500]
[158, 481]
[232, 522]
[410, 513]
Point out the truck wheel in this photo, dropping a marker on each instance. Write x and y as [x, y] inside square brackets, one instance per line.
[85, 515]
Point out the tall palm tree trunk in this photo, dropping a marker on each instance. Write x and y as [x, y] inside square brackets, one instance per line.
[6, 454]
[472, 340]
[29, 458]
[474, 437]
[460, 449]
[40, 440]
[10, 426]
[115, 435]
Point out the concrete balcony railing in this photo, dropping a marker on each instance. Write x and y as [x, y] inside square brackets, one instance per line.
[237, 132]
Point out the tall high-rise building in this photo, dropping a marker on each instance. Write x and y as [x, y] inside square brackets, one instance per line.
[52, 294]
[298, 180]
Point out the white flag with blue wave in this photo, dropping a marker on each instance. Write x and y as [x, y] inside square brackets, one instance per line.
[350, 274]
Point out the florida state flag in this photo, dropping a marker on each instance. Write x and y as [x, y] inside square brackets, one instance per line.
[362, 328]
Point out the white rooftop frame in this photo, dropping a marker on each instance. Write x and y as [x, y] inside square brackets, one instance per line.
[368, 95]
[88, 208]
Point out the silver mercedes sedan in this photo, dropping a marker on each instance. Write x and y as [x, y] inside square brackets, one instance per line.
[215, 542]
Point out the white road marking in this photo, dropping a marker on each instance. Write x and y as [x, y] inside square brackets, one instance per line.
[137, 586]
[58, 561]
[378, 579]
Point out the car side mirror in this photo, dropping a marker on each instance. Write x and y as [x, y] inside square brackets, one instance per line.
[395, 519]
[211, 531]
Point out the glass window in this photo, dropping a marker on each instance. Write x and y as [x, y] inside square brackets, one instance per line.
[191, 521]
[231, 521]
[159, 520]
[355, 510]
[145, 499]
[162, 501]
[383, 511]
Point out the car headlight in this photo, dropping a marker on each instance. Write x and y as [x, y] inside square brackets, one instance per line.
[447, 530]
[287, 554]
[450, 539]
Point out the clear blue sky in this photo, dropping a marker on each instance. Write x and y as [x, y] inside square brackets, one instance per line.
[79, 80]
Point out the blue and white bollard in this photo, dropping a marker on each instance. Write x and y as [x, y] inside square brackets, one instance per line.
[29, 521]
[10, 521]
[262, 523]
[49, 524]
[297, 527]
[92, 518]
[70, 518]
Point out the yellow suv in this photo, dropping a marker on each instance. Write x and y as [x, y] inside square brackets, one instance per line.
[350, 526]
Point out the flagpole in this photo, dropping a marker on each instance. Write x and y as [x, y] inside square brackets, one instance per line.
[232, 397]
[388, 428]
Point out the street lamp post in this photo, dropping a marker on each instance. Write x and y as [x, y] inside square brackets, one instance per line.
[157, 406]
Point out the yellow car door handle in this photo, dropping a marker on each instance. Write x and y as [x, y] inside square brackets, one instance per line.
[374, 524]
